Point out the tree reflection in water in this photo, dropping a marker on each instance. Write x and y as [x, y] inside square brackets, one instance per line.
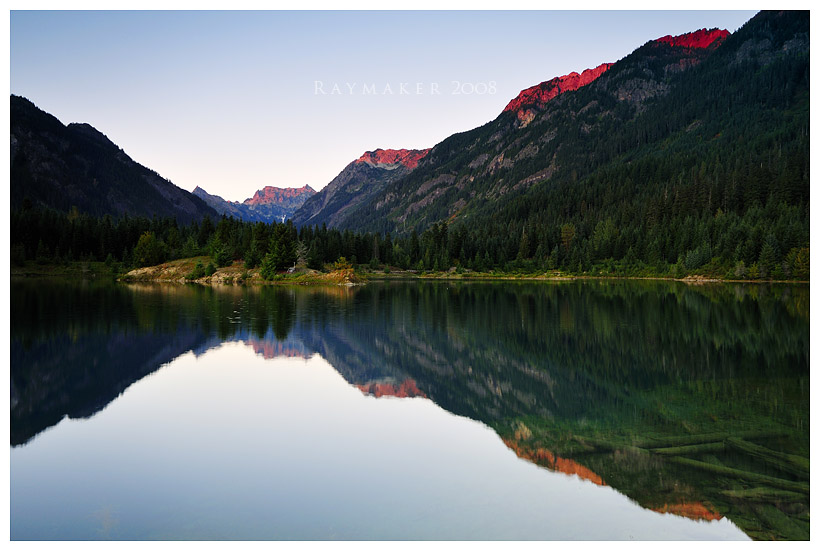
[586, 378]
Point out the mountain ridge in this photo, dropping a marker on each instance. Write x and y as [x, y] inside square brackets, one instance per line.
[272, 194]
[702, 38]
[475, 174]
[525, 106]
[540, 94]
[387, 157]
[266, 205]
[77, 166]
[359, 181]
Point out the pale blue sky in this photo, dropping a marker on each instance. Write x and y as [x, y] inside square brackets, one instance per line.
[227, 100]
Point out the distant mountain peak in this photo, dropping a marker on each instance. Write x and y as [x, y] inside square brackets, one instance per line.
[271, 194]
[702, 38]
[406, 157]
[267, 205]
[540, 94]
[357, 183]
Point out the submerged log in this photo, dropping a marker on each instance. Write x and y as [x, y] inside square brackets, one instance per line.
[744, 475]
[676, 445]
[605, 445]
[792, 464]
[691, 450]
[585, 447]
[695, 439]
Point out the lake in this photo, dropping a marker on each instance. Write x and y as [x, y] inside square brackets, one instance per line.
[576, 410]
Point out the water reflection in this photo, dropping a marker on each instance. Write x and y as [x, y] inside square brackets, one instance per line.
[229, 445]
[581, 378]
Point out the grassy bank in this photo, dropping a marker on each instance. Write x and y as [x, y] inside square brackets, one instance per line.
[200, 269]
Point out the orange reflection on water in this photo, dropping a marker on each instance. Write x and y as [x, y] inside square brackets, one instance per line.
[545, 457]
[695, 511]
[406, 389]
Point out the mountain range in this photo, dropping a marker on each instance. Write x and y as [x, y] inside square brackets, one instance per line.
[77, 166]
[267, 205]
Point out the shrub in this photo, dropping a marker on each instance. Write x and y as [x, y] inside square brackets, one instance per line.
[198, 271]
[740, 270]
[342, 264]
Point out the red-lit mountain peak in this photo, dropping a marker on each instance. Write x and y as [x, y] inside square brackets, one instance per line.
[406, 157]
[540, 94]
[698, 39]
[271, 194]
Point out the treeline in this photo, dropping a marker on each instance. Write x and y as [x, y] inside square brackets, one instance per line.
[763, 243]
[49, 236]
[735, 216]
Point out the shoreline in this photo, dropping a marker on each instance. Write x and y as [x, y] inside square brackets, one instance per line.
[692, 280]
[235, 274]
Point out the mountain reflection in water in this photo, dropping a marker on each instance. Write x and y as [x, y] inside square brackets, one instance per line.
[598, 380]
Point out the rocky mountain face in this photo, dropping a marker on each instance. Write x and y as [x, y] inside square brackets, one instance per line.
[393, 158]
[536, 97]
[698, 39]
[473, 169]
[575, 126]
[64, 167]
[285, 197]
[357, 184]
[267, 205]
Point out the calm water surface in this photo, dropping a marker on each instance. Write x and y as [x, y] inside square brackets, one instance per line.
[405, 411]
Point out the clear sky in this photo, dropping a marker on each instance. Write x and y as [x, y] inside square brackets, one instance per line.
[232, 101]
